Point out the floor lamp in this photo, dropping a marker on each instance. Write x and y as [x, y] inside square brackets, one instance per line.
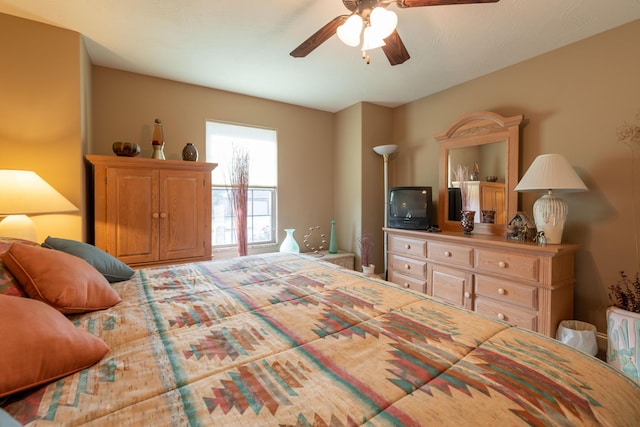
[385, 151]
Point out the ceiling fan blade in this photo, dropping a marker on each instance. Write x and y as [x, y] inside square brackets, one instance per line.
[319, 37]
[420, 3]
[395, 50]
[352, 5]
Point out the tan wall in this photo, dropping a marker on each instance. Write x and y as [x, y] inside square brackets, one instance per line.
[574, 98]
[358, 183]
[40, 112]
[126, 104]
[347, 183]
[377, 129]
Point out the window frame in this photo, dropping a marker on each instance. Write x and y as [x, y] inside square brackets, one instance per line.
[250, 221]
[228, 219]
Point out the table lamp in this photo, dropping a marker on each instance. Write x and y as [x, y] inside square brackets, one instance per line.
[554, 174]
[24, 193]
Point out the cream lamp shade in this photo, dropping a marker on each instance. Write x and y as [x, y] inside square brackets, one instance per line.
[385, 149]
[551, 173]
[24, 193]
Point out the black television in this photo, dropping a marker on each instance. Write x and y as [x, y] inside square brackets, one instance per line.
[410, 208]
[455, 204]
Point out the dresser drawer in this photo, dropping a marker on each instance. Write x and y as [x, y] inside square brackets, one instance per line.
[449, 285]
[407, 281]
[507, 264]
[408, 266]
[512, 314]
[508, 292]
[451, 254]
[407, 246]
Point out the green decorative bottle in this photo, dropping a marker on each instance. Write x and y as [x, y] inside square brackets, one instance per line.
[333, 242]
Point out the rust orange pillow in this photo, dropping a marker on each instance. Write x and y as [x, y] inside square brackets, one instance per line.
[40, 345]
[66, 282]
[8, 284]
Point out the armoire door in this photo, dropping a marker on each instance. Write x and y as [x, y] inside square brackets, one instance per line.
[132, 214]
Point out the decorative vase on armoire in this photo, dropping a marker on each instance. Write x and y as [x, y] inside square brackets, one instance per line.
[157, 141]
[190, 152]
[289, 243]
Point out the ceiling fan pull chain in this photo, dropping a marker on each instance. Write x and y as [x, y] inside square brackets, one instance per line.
[366, 57]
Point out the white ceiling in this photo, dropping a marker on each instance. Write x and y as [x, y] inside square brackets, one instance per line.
[243, 46]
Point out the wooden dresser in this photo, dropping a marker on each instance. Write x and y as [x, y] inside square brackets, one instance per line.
[522, 283]
[151, 212]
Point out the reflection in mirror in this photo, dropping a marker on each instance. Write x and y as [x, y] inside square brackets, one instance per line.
[487, 144]
[488, 168]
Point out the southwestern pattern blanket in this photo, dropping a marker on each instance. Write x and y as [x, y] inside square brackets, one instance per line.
[284, 339]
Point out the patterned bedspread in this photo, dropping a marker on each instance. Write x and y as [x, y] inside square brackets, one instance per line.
[284, 339]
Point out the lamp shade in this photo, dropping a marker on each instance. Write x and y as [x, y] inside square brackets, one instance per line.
[554, 174]
[371, 40]
[349, 32]
[383, 22]
[25, 193]
[550, 172]
[385, 149]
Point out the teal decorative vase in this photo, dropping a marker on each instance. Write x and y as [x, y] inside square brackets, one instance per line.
[333, 241]
[289, 243]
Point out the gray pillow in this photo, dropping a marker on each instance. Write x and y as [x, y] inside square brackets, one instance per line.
[111, 268]
[7, 420]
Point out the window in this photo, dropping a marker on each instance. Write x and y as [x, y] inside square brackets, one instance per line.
[261, 145]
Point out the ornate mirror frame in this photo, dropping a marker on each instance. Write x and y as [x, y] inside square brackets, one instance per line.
[473, 130]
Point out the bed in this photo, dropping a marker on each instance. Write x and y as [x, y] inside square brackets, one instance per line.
[288, 339]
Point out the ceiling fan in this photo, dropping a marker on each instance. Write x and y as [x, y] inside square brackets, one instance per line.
[376, 24]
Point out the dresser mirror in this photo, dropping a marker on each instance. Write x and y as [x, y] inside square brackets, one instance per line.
[487, 144]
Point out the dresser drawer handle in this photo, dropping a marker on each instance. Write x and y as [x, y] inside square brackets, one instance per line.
[447, 253]
[500, 316]
[501, 291]
[467, 295]
[406, 285]
[155, 215]
[407, 266]
[502, 264]
[407, 246]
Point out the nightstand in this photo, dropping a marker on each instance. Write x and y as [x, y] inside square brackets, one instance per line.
[343, 259]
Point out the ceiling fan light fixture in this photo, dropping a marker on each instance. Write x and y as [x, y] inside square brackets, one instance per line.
[383, 22]
[371, 39]
[349, 32]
